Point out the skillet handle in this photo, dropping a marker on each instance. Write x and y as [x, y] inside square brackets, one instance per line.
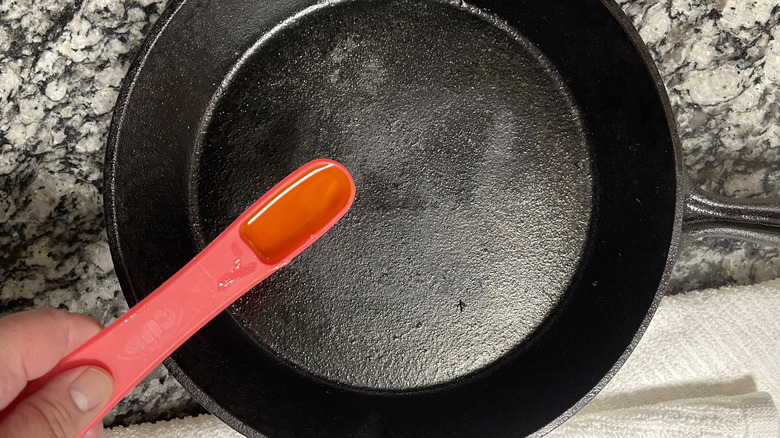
[755, 220]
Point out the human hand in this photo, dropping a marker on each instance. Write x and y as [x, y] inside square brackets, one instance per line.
[31, 344]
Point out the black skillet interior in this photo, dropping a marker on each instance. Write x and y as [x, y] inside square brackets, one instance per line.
[516, 203]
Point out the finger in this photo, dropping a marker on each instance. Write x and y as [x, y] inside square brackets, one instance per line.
[62, 408]
[32, 342]
[95, 432]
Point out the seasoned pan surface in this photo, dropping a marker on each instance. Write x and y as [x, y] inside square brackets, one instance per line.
[473, 169]
[513, 229]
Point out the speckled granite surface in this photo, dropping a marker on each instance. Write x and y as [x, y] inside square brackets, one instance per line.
[60, 71]
[720, 61]
[62, 61]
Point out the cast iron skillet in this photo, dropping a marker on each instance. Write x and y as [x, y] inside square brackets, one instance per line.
[521, 201]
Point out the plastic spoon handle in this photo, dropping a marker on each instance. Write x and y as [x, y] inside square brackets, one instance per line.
[248, 251]
[149, 332]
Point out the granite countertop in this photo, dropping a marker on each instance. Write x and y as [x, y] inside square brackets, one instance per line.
[63, 61]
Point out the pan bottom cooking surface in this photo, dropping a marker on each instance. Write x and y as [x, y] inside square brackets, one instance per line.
[474, 189]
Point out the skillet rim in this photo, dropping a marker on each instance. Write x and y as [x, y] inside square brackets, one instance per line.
[676, 239]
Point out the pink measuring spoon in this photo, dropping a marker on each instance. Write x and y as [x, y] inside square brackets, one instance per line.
[276, 228]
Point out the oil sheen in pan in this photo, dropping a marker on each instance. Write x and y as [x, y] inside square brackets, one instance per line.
[473, 178]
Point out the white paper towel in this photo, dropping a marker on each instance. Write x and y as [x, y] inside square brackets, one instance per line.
[202, 426]
[746, 415]
[708, 366]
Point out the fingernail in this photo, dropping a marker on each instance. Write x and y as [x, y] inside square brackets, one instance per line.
[91, 388]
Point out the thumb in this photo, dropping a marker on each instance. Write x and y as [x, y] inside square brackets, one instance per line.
[64, 406]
